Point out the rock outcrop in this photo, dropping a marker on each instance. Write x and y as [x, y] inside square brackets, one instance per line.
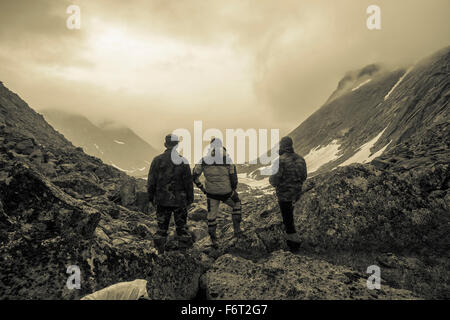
[60, 207]
[285, 276]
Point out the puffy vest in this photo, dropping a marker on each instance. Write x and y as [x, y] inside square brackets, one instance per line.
[217, 175]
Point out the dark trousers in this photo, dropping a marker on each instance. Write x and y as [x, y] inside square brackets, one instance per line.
[287, 212]
[163, 215]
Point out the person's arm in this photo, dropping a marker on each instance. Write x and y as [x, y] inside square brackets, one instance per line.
[151, 181]
[277, 173]
[301, 169]
[188, 186]
[196, 173]
[233, 177]
[304, 170]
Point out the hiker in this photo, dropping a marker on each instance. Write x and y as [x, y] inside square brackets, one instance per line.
[289, 173]
[170, 189]
[220, 186]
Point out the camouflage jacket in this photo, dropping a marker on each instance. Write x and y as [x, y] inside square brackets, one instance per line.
[170, 184]
[290, 173]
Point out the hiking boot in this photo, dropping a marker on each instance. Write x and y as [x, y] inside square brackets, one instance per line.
[184, 242]
[292, 237]
[160, 244]
[237, 226]
[213, 236]
[214, 243]
[237, 233]
[293, 246]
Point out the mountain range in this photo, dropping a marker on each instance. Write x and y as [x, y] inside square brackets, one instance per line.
[370, 112]
[118, 146]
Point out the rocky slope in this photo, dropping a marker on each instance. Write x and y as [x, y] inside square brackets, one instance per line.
[117, 146]
[61, 207]
[393, 212]
[284, 275]
[371, 111]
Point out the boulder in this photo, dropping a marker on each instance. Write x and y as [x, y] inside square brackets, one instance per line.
[79, 184]
[175, 275]
[50, 231]
[359, 207]
[25, 146]
[142, 201]
[32, 199]
[284, 275]
[198, 212]
[5, 223]
[127, 191]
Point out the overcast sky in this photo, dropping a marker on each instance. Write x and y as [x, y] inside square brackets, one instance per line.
[158, 65]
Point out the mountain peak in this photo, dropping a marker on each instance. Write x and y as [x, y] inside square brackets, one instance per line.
[355, 79]
[115, 144]
[374, 109]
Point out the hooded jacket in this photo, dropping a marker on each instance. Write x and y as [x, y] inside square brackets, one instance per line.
[290, 174]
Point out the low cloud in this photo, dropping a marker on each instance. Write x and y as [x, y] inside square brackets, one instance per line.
[157, 65]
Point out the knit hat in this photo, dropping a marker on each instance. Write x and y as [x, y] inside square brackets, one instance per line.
[171, 140]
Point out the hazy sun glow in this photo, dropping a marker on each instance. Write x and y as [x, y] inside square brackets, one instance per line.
[155, 65]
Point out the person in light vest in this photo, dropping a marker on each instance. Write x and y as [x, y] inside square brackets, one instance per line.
[220, 186]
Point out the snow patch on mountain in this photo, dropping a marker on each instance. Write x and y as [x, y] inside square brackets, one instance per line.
[263, 171]
[98, 148]
[253, 183]
[128, 171]
[317, 157]
[364, 155]
[361, 84]
[398, 83]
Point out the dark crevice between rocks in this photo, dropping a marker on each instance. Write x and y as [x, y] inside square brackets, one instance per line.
[201, 293]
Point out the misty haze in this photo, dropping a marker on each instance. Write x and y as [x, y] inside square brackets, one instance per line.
[133, 139]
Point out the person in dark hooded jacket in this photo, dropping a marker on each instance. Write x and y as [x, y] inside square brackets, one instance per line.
[289, 174]
[170, 189]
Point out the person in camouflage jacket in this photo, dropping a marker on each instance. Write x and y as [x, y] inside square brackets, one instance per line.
[170, 189]
[289, 174]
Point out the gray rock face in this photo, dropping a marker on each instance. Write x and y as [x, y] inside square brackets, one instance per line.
[127, 192]
[35, 204]
[198, 213]
[362, 208]
[284, 275]
[5, 223]
[25, 147]
[52, 230]
[56, 211]
[175, 276]
[78, 185]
